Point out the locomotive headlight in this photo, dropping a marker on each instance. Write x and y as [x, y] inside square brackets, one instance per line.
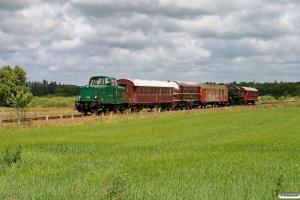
[79, 97]
[87, 86]
[96, 97]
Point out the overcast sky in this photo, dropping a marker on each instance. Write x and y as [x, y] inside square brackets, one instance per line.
[69, 41]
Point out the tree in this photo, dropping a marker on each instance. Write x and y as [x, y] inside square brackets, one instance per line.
[11, 81]
[20, 102]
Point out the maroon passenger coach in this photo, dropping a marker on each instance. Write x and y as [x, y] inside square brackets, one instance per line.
[186, 94]
[249, 95]
[148, 93]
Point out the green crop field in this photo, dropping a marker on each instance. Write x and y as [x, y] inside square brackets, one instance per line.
[241, 154]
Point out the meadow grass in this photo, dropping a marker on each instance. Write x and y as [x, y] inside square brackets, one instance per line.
[228, 154]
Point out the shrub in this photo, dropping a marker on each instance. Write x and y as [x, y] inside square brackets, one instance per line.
[50, 103]
[61, 104]
[12, 156]
[267, 99]
[281, 98]
[298, 103]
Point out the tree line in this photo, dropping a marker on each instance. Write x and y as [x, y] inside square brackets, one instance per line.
[13, 84]
[45, 88]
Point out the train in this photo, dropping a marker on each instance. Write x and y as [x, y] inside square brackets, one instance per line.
[104, 94]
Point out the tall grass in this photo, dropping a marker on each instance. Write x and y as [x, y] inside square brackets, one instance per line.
[52, 102]
[208, 155]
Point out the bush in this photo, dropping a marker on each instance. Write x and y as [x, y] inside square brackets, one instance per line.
[267, 99]
[61, 104]
[50, 103]
[288, 97]
[281, 98]
[298, 103]
[12, 156]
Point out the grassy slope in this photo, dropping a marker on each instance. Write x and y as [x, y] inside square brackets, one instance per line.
[224, 155]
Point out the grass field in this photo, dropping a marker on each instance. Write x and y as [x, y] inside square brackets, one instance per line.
[229, 154]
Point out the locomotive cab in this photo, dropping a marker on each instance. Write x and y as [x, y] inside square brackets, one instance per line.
[101, 94]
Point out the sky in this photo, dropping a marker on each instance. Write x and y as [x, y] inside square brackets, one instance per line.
[69, 41]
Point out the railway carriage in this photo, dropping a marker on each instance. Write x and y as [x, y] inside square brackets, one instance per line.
[249, 95]
[214, 95]
[148, 93]
[186, 94]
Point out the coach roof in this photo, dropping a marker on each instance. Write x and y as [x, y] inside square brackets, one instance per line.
[176, 84]
[149, 83]
[249, 89]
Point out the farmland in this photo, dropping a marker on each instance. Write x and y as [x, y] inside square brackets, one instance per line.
[225, 154]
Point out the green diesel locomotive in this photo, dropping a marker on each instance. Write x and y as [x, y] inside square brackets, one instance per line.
[102, 95]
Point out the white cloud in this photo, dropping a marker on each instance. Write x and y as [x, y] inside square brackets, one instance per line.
[65, 45]
[53, 68]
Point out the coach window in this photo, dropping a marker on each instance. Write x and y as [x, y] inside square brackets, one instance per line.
[152, 89]
[146, 90]
[142, 90]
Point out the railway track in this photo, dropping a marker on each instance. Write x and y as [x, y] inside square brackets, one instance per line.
[77, 116]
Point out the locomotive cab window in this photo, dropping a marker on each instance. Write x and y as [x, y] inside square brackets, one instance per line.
[98, 81]
[114, 82]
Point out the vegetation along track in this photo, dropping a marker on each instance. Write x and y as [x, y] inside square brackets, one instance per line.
[77, 116]
[46, 118]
